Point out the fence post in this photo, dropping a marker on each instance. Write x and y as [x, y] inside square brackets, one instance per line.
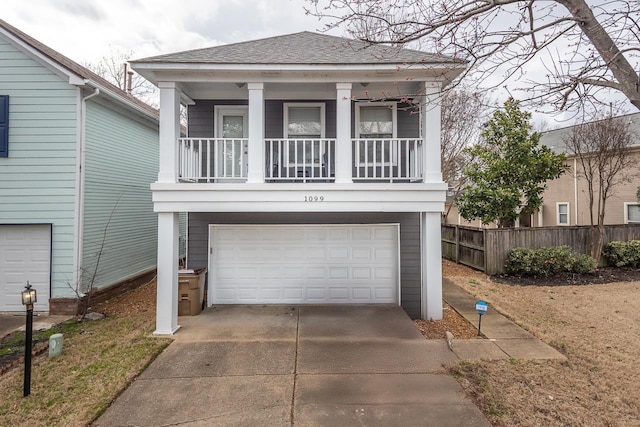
[457, 233]
[484, 253]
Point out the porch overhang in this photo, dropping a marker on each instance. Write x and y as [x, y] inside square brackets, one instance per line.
[313, 197]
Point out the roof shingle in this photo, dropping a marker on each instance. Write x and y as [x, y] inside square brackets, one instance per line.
[303, 48]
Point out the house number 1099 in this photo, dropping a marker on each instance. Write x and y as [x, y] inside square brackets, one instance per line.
[314, 198]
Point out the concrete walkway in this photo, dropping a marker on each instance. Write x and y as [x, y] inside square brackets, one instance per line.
[17, 322]
[298, 365]
[504, 340]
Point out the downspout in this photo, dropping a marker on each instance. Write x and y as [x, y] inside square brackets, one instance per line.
[79, 223]
[575, 189]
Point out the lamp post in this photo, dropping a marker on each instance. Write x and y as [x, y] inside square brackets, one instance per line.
[29, 297]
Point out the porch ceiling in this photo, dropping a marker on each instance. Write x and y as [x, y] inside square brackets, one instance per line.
[363, 90]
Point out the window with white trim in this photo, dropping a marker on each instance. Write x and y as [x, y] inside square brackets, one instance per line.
[376, 122]
[304, 123]
[562, 209]
[632, 213]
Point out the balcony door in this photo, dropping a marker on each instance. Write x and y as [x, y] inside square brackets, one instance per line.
[232, 148]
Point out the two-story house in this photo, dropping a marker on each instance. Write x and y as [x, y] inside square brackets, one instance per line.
[311, 173]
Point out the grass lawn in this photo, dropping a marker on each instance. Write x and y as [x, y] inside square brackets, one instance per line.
[597, 327]
[99, 360]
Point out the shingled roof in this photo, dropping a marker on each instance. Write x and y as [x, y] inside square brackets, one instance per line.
[76, 68]
[302, 48]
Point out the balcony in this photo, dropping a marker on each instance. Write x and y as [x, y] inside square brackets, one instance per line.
[217, 160]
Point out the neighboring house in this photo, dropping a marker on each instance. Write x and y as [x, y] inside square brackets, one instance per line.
[311, 173]
[566, 199]
[77, 156]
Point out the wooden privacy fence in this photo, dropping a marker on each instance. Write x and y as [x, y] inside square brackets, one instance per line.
[486, 249]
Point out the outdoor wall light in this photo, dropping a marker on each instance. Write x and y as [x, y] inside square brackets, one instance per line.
[240, 85]
[29, 298]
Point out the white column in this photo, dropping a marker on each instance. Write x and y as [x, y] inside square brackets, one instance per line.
[167, 287]
[344, 149]
[256, 159]
[431, 266]
[430, 108]
[169, 131]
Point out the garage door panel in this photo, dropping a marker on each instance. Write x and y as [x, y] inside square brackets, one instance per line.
[25, 255]
[304, 264]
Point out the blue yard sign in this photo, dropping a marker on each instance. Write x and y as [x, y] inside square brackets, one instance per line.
[482, 307]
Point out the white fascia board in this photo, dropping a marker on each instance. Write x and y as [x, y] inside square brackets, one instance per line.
[119, 99]
[273, 72]
[36, 55]
[428, 197]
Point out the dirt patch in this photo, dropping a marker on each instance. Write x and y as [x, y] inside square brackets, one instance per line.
[451, 321]
[597, 327]
[601, 276]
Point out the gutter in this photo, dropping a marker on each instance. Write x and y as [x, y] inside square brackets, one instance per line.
[80, 174]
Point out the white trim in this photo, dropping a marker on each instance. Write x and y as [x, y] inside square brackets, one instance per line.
[626, 212]
[211, 267]
[285, 120]
[283, 197]
[394, 114]
[394, 131]
[219, 110]
[81, 126]
[540, 217]
[575, 190]
[558, 204]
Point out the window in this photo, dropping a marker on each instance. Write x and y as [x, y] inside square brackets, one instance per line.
[4, 125]
[632, 213]
[376, 122]
[563, 213]
[304, 123]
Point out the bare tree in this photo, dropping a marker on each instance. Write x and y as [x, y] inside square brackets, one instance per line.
[115, 69]
[604, 161]
[585, 47]
[463, 113]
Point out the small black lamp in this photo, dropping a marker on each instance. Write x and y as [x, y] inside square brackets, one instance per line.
[29, 298]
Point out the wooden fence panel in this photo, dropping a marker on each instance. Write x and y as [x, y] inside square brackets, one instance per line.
[487, 249]
[464, 245]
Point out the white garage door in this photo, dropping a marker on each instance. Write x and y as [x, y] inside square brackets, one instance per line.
[25, 254]
[304, 264]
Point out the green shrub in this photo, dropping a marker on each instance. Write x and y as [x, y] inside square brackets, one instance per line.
[582, 263]
[547, 261]
[623, 254]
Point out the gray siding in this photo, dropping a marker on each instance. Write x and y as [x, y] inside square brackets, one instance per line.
[37, 180]
[121, 163]
[201, 117]
[409, 240]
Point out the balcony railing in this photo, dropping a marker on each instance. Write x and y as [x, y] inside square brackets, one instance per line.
[388, 159]
[299, 160]
[212, 159]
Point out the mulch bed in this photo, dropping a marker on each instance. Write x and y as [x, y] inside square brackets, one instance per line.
[601, 276]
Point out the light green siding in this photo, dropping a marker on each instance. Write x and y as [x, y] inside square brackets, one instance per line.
[37, 180]
[120, 164]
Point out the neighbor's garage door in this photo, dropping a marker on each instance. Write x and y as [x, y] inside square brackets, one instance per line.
[312, 264]
[25, 254]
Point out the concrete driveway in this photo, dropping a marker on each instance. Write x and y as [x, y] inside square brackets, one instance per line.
[297, 365]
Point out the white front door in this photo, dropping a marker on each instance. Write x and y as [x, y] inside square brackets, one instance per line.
[25, 255]
[304, 264]
[232, 126]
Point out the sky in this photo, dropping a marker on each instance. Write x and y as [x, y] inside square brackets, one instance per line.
[88, 30]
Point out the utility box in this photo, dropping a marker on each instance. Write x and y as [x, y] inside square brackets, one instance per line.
[191, 291]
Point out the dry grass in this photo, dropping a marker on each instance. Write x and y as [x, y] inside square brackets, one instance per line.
[100, 359]
[596, 326]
